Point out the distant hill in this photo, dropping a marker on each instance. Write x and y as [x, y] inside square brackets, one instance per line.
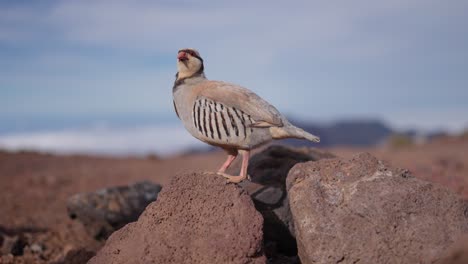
[351, 133]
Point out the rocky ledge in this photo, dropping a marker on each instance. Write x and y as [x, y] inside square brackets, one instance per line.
[303, 206]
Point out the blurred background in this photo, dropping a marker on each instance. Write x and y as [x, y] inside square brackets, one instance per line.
[86, 99]
[96, 76]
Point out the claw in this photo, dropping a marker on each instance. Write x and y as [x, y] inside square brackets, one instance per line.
[243, 173]
[233, 179]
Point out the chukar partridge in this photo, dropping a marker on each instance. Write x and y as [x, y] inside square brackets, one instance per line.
[226, 115]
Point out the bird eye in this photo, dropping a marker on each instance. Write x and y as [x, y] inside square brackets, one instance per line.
[191, 52]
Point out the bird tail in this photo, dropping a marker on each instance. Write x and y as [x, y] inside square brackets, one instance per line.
[290, 131]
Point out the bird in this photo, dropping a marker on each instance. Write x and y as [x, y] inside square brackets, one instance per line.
[226, 115]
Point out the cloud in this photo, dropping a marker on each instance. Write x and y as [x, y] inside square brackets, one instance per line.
[77, 84]
[106, 140]
[154, 25]
[310, 58]
[261, 31]
[301, 24]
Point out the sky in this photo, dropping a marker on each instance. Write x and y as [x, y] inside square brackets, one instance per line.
[402, 61]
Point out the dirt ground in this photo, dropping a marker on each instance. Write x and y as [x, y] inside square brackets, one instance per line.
[34, 188]
[443, 160]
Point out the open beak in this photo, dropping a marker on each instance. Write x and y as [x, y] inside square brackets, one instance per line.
[182, 56]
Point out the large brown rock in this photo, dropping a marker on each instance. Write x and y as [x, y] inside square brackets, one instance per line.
[198, 218]
[360, 210]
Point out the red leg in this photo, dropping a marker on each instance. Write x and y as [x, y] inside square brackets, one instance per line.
[227, 163]
[243, 173]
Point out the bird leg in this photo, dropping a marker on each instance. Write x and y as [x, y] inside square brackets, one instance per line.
[227, 163]
[243, 173]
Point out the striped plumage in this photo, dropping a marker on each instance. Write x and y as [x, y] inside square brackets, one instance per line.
[226, 115]
[221, 124]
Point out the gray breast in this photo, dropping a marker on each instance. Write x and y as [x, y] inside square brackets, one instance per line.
[220, 123]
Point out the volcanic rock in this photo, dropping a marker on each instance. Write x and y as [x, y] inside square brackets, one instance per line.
[361, 210]
[106, 210]
[198, 218]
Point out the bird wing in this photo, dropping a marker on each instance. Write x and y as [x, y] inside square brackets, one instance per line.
[263, 113]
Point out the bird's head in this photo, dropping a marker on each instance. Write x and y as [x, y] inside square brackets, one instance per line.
[189, 63]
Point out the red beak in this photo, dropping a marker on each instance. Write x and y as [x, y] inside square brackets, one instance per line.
[182, 56]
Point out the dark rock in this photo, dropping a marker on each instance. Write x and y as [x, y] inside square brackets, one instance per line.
[18, 241]
[280, 259]
[278, 224]
[271, 166]
[104, 211]
[13, 245]
[76, 256]
[12, 241]
[269, 195]
[198, 218]
[269, 170]
[274, 256]
[362, 210]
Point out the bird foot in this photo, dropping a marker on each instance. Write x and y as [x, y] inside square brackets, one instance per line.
[234, 179]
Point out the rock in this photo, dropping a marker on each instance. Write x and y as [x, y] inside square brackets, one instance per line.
[104, 211]
[198, 218]
[280, 259]
[278, 228]
[23, 244]
[271, 166]
[362, 210]
[13, 245]
[269, 170]
[36, 248]
[12, 241]
[457, 254]
[269, 195]
[76, 256]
